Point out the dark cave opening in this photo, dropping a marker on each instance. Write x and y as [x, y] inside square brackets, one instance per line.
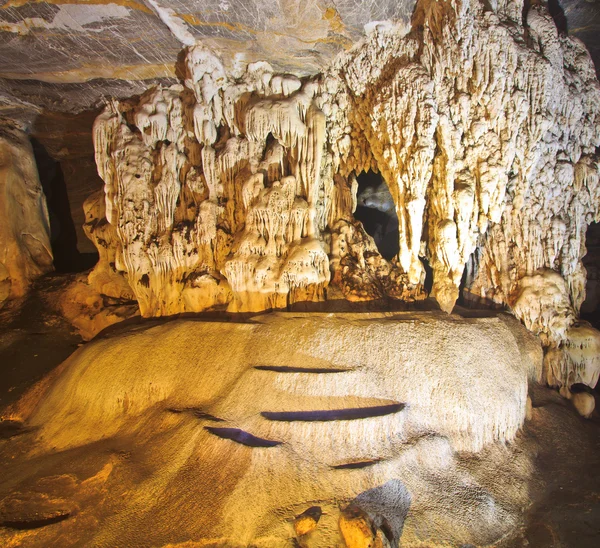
[558, 14]
[63, 236]
[376, 211]
[590, 309]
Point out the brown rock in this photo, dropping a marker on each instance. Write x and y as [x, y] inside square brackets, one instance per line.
[356, 528]
[307, 521]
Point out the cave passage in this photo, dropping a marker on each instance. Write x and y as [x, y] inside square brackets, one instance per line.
[376, 211]
[63, 236]
[590, 309]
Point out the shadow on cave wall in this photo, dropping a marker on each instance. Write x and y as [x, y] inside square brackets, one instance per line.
[63, 236]
[377, 213]
[558, 14]
[590, 309]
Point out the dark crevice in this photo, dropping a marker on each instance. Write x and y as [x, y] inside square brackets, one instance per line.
[558, 14]
[578, 388]
[196, 412]
[239, 436]
[351, 413]
[63, 236]
[356, 464]
[293, 369]
[590, 309]
[377, 213]
[428, 284]
[35, 523]
[10, 429]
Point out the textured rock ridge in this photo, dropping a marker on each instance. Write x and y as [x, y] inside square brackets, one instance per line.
[239, 189]
[25, 251]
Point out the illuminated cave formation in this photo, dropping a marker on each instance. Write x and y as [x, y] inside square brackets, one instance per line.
[427, 196]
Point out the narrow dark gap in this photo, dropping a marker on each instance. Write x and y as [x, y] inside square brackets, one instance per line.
[349, 413]
[428, 284]
[578, 388]
[377, 213]
[34, 523]
[462, 298]
[270, 140]
[239, 436]
[290, 369]
[63, 236]
[558, 14]
[590, 309]
[356, 464]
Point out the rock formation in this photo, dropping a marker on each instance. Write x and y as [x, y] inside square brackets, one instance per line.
[25, 251]
[238, 188]
[220, 444]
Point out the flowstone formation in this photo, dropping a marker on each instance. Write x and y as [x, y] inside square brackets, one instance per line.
[237, 189]
[340, 430]
[226, 196]
[25, 250]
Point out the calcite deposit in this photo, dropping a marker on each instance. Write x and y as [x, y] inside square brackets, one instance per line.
[451, 156]
[237, 189]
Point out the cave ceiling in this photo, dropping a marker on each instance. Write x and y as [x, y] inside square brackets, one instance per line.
[66, 56]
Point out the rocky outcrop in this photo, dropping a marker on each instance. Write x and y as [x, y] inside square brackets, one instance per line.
[222, 193]
[25, 251]
[394, 441]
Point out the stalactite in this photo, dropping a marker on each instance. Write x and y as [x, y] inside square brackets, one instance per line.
[487, 144]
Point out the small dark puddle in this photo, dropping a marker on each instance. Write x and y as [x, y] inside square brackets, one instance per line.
[290, 369]
[334, 414]
[34, 523]
[356, 464]
[198, 413]
[245, 438]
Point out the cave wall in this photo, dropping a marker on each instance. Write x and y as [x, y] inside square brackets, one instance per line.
[25, 250]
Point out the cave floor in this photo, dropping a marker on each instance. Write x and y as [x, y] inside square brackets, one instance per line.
[33, 338]
[565, 509]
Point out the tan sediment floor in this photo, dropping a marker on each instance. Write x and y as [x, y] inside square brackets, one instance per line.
[164, 477]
